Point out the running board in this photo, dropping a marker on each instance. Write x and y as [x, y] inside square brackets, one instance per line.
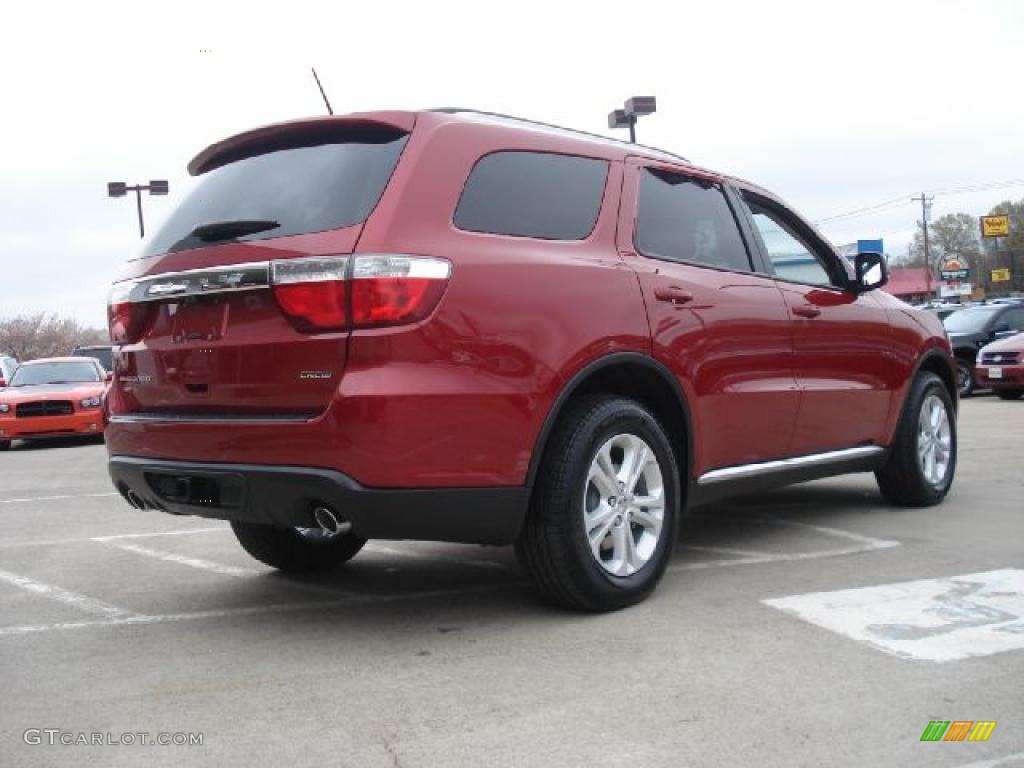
[765, 468]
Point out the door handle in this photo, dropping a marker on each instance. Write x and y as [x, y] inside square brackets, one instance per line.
[673, 295]
[806, 311]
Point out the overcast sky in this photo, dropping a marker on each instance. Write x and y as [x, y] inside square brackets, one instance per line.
[835, 106]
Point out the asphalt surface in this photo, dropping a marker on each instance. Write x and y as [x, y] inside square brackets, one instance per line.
[114, 621]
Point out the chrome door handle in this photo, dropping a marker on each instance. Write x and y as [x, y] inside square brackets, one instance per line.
[673, 295]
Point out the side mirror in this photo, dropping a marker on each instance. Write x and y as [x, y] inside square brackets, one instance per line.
[3, 382]
[109, 376]
[872, 271]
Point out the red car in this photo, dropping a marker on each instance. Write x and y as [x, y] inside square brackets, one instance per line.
[1001, 367]
[460, 326]
[52, 397]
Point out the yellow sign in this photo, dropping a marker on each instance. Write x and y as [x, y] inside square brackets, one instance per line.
[1000, 275]
[995, 226]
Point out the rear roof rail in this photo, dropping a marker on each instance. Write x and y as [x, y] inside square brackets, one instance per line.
[560, 129]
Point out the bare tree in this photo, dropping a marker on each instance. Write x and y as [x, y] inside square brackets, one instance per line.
[27, 337]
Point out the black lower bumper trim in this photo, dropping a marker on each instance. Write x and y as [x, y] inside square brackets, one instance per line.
[286, 496]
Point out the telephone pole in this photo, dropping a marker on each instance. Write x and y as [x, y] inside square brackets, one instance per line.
[926, 214]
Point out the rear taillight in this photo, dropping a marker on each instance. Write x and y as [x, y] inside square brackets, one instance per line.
[311, 291]
[127, 321]
[326, 293]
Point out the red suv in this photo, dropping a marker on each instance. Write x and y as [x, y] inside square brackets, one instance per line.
[459, 326]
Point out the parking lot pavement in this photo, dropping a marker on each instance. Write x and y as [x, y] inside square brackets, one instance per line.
[811, 626]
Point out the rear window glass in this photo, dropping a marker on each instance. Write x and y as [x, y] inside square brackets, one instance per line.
[533, 194]
[680, 218]
[301, 189]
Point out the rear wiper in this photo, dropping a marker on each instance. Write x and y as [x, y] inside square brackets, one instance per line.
[228, 230]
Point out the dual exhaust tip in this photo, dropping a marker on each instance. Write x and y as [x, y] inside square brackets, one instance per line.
[325, 517]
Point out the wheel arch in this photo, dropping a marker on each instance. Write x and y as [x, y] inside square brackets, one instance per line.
[639, 377]
[937, 362]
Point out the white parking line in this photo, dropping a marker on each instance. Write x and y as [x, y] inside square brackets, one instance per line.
[139, 619]
[191, 562]
[56, 542]
[58, 498]
[751, 557]
[74, 599]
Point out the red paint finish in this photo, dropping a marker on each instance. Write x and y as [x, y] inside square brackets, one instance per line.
[460, 397]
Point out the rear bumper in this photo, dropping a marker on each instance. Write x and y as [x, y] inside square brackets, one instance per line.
[286, 496]
[36, 427]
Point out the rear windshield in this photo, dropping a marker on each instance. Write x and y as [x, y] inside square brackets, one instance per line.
[55, 373]
[300, 190]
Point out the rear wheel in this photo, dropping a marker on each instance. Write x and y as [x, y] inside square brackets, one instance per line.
[602, 519]
[922, 458]
[965, 378]
[296, 549]
[1009, 394]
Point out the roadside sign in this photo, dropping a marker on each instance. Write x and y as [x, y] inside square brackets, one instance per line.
[954, 269]
[995, 226]
[1000, 275]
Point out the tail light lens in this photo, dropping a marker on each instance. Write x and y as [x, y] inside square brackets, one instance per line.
[311, 291]
[127, 321]
[327, 293]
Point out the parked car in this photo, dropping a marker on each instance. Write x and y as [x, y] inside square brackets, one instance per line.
[7, 366]
[52, 397]
[466, 327]
[974, 327]
[1001, 367]
[102, 352]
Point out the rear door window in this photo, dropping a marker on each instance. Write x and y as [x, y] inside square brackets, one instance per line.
[292, 190]
[682, 218]
[533, 194]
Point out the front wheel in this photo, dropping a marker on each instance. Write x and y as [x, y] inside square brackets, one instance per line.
[965, 378]
[296, 550]
[922, 458]
[602, 520]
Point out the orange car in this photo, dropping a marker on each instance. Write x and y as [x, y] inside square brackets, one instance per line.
[53, 397]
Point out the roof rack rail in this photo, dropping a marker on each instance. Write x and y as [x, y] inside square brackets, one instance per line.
[588, 134]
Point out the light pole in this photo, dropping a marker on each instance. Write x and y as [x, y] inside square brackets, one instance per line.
[633, 108]
[120, 189]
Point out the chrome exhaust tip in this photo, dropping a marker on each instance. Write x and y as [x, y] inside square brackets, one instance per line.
[329, 522]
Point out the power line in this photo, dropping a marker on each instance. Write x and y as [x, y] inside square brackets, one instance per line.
[898, 202]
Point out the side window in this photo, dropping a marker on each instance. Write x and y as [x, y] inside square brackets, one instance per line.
[791, 258]
[1015, 319]
[533, 194]
[686, 219]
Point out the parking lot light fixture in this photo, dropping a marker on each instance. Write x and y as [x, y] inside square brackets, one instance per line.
[155, 187]
[636, 106]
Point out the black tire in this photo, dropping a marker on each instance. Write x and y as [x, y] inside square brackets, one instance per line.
[554, 548]
[287, 550]
[1009, 394]
[965, 377]
[902, 479]
[5, 445]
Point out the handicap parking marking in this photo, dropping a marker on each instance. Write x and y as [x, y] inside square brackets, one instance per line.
[937, 620]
